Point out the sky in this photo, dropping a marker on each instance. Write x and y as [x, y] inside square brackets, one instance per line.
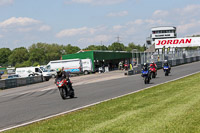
[92, 22]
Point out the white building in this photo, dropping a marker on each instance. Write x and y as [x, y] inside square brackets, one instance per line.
[162, 32]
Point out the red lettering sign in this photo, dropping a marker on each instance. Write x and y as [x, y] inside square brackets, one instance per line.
[188, 41]
[175, 42]
[182, 41]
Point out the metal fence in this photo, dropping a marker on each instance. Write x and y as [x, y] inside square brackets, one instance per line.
[174, 59]
[148, 57]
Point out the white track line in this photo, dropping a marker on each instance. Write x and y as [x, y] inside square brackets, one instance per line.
[27, 123]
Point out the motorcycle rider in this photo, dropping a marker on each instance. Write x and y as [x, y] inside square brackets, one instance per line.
[166, 63]
[64, 75]
[154, 66]
[145, 68]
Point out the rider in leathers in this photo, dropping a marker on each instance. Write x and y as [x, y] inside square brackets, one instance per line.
[153, 65]
[145, 68]
[166, 63]
[64, 75]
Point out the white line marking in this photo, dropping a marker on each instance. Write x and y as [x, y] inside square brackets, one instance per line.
[28, 123]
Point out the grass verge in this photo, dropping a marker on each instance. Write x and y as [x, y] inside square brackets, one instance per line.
[172, 107]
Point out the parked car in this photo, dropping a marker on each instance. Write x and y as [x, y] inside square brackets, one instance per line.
[52, 72]
[13, 76]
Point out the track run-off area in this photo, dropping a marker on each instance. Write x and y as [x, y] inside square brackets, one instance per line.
[24, 105]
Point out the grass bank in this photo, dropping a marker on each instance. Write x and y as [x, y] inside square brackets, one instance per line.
[169, 108]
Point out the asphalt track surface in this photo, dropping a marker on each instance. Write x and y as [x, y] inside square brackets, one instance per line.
[25, 104]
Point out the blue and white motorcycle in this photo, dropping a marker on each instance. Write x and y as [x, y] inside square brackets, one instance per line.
[166, 70]
[146, 76]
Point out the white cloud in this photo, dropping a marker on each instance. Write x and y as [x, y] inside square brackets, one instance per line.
[23, 24]
[6, 2]
[25, 29]
[191, 26]
[191, 8]
[44, 28]
[117, 27]
[21, 21]
[118, 14]
[95, 2]
[79, 31]
[154, 22]
[96, 39]
[135, 22]
[160, 13]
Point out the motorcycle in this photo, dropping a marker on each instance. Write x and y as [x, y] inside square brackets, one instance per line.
[65, 88]
[145, 75]
[153, 72]
[166, 70]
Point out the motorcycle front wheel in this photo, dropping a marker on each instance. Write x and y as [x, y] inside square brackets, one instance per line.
[63, 93]
[166, 73]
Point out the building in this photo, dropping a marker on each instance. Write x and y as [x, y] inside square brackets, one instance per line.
[162, 32]
[100, 58]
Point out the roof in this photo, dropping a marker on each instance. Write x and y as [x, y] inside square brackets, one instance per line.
[163, 28]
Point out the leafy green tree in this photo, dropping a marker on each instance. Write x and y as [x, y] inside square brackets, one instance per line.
[96, 47]
[36, 64]
[91, 47]
[37, 53]
[4, 54]
[24, 64]
[69, 49]
[53, 52]
[19, 55]
[43, 53]
[117, 47]
[102, 47]
[132, 46]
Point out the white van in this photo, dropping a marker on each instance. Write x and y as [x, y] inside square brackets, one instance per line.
[87, 66]
[33, 71]
[72, 65]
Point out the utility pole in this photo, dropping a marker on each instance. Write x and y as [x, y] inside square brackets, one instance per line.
[118, 39]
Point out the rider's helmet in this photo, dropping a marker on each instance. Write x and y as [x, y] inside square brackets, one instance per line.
[59, 71]
[165, 61]
[152, 62]
[145, 64]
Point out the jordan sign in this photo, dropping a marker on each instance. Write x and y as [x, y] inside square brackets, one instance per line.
[177, 42]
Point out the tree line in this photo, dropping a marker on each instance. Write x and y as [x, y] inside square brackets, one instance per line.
[42, 53]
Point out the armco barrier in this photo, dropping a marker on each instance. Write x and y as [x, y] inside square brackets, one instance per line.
[21, 81]
[159, 64]
[178, 62]
[2, 84]
[194, 59]
[191, 59]
[198, 58]
[11, 83]
[173, 63]
[188, 60]
[185, 60]
[181, 61]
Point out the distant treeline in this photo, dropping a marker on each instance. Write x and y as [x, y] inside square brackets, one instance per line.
[42, 53]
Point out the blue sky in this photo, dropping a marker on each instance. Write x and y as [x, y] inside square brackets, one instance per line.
[87, 22]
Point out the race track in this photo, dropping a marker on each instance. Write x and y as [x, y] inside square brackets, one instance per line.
[25, 104]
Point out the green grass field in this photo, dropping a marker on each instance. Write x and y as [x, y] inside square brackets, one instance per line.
[169, 108]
